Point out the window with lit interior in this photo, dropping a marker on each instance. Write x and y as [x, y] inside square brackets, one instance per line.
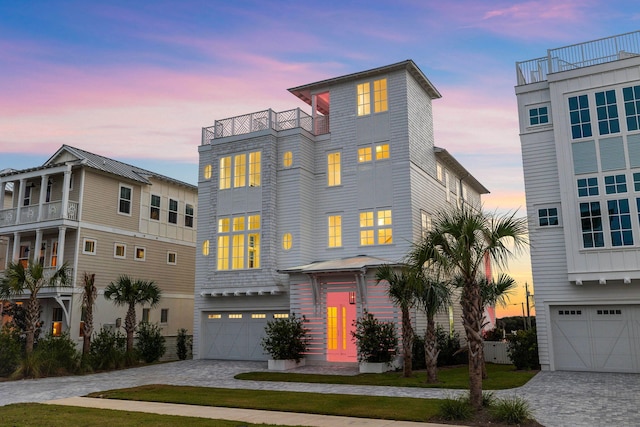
[333, 169]
[335, 231]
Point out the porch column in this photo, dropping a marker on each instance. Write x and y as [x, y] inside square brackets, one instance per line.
[314, 114]
[21, 188]
[44, 181]
[65, 192]
[36, 249]
[2, 190]
[16, 247]
[61, 235]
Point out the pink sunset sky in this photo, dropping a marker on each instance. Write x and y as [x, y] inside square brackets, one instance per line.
[136, 81]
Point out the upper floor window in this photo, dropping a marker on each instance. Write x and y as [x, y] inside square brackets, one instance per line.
[188, 215]
[255, 170]
[205, 248]
[426, 223]
[333, 169]
[607, 111]
[439, 172]
[620, 222]
[124, 200]
[380, 227]
[538, 116]
[380, 97]
[119, 250]
[615, 184]
[587, 187]
[233, 233]
[591, 223]
[631, 97]
[335, 231]
[547, 217]
[140, 253]
[173, 211]
[207, 172]
[365, 153]
[287, 159]
[154, 208]
[225, 173]
[239, 170]
[364, 99]
[287, 241]
[27, 196]
[580, 117]
[164, 315]
[89, 246]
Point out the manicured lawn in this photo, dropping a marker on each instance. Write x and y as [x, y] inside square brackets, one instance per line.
[393, 408]
[500, 377]
[37, 415]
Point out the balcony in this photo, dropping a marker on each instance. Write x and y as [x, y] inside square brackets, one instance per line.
[267, 119]
[580, 55]
[38, 213]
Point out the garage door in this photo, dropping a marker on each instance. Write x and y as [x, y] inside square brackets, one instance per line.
[234, 335]
[596, 338]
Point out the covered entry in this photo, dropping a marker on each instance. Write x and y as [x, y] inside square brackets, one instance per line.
[341, 313]
[604, 338]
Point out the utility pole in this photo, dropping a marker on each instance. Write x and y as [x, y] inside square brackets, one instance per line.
[526, 287]
[524, 320]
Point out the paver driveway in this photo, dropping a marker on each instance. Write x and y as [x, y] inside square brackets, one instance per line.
[559, 399]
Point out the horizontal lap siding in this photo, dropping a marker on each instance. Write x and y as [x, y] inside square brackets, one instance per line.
[100, 200]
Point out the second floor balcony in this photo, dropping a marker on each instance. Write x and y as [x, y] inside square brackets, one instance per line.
[37, 213]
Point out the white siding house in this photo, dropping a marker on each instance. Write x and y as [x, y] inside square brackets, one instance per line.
[579, 111]
[297, 210]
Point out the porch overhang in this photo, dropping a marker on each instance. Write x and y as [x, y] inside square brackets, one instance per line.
[242, 292]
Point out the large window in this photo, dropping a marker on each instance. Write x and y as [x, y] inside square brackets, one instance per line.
[173, 211]
[364, 99]
[255, 171]
[580, 117]
[154, 209]
[620, 222]
[335, 231]
[380, 98]
[333, 169]
[239, 241]
[375, 227]
[365, 153]
[239, 170]
[225, 173]
[607, 111]
[631, 96]
[124, 200]
[591, 221]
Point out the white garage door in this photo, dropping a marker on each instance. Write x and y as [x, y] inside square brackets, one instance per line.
[596, 338]
[234, 335]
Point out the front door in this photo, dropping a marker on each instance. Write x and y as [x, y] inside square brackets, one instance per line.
[341, 313]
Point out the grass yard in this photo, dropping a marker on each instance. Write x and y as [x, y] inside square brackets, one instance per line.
[500, 377]
[37, 415]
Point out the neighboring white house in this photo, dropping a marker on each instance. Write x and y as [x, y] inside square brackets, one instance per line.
[297, 210]
[579, 110]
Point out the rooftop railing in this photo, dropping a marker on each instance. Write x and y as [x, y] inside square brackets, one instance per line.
[580, 55]
[267, 119]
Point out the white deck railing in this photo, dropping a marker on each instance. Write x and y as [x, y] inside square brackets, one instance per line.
[31, 214]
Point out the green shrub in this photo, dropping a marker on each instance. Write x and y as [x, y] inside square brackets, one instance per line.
[10, 349]
[58, 355]
[488, 399]
[418, 357]
[458, 408]
[30, 366]
[450, 350]
[377, 341]
[108, 349]
[184, 344]
[150, 342]
[523, 349]
[513, 410]
[286, 339]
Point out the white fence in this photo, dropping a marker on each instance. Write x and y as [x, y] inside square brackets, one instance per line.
[496, 352]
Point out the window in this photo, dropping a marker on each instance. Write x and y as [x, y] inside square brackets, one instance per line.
[145, 315]
[140, 253]
[258, 316]
[631, 96]
[380, 227]
[287, 159]
[54, 254]
[27, 196]
[205, 248]
[119, 250]
[538, 116]
[588, 187]
[620, 222]
[188, 216]
[89, 247]
[439, 172]
[335, 231]
[287, 241]
[207, 172]
[223, 252]
[56, 325]
[382, 151]
[164, 315]
[380, 96]
[385, 234]
[366, 228]
[281, 315]
[173, 211]
[239, 170]
[154, 210]
[333, 169]
[614, 184]
[580, 117]
[172, 258]
[237, 244]
[124, 202]
[426, 224]
[591, 220]
[607, 112]
[233, 233]
[364, 99]
[255, 170]
[547, 217]
[47, 198]
[225, 173]
[364, 154]
[253, 251]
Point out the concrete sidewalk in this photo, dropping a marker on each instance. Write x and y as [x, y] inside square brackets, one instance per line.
[233, 414]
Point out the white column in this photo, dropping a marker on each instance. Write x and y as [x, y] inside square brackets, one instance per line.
[2, 189]
[314, 114]
[65, 192]
[44, 181]
[16, 247]
[21, 187]
[61, 236]
[36, 249]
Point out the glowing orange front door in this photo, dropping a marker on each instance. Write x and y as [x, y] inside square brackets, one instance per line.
[340, 317]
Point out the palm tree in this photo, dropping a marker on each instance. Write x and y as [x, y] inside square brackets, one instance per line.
[89, 294]
[129, 292]
[432, 295]
[19, 280]
[457, 245]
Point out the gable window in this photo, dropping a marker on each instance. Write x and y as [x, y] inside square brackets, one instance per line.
[580, 117]
[119, 250]
[547, 217]
[333, 169]
[631, 97]
[154, 209]
[615, 184]
[173, 211]
[538, 116]
[607, 112]
[172, 258]
[335, 231]
[124, 200]
[364, 99]
[188, 215]
[620, 222]
[225, 173]
[140, 253]
[239, 170]
[588, 187]
[591, 222]
[89, 246]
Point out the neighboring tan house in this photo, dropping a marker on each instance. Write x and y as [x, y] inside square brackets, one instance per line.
[298, 210]
[107, 218]
[579, 110]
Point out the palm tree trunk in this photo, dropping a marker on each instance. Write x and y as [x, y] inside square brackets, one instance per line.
[407, 341]
[472, 319]
[33, 316]
[87, 330]
[130, 325]
[431, 351]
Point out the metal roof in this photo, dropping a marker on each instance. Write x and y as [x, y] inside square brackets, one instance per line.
[447, 159]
